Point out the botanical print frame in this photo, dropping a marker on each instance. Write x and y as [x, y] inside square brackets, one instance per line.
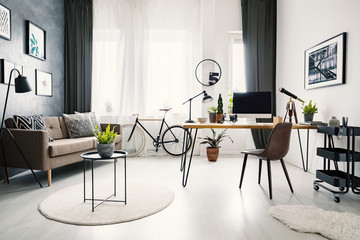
[35, 41]
[325, 63]
[5, 22]
[44, 85]
[5, 69]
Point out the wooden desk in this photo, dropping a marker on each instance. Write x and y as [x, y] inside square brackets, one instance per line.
[243, 125]
[229, 125]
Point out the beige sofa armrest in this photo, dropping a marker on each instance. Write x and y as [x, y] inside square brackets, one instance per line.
[117, 129]
[34, 145]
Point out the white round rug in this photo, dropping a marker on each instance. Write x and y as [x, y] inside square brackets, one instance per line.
[143, 199]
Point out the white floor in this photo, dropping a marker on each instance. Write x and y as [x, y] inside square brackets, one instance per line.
[210, 207]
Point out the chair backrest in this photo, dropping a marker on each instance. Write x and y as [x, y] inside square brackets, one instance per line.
[278, 143]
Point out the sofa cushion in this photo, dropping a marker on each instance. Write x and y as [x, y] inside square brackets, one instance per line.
[53, 127]
[70, 145]
[78, 125]
[34, 122]
[92, 116]
[63, 127]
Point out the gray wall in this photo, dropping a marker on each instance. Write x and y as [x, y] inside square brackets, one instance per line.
[49, 15]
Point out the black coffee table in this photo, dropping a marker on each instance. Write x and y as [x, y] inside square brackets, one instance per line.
[94, 156]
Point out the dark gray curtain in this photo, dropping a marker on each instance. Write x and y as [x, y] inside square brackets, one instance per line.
[259, 36]
[78, 55]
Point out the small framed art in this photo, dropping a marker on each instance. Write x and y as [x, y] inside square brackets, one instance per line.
[325, 63]
[43, 83]
[35, 41]
[5, 70]
[5, 22]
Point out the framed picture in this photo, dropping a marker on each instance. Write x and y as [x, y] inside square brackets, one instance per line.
[325, 63]
[43, 83]
[5, 22]
[35, 41]
[5, 69]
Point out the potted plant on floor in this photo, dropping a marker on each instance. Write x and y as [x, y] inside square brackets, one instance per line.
[212, 152]
[309, 111]
[105, 141]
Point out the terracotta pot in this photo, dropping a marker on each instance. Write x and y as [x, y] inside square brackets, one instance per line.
[212, 153]
[219, 118]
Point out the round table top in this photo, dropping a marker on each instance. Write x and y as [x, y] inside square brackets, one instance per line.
[95, 155]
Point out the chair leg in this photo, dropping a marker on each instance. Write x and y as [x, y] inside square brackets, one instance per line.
[269, 177]
[286, 174]
[243, 170]
[260, 164]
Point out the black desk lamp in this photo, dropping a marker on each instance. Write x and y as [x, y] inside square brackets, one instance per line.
[206, 98]
[21, 86]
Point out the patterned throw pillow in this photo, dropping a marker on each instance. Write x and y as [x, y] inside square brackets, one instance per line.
[35, 122]
[78, 125]
[94, 121]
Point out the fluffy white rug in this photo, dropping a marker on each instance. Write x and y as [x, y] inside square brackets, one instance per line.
[144, 199]
[330, 224]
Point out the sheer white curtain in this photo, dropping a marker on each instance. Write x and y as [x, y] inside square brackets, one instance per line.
[144, 56]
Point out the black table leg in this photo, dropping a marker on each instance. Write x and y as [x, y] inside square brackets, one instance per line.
[186, 173]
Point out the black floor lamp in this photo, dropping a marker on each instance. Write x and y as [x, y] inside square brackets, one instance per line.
[206, 98]
[21, 86]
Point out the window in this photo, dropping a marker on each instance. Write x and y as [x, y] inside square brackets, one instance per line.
[237, 69]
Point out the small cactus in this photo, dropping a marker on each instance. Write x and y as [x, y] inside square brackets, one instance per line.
[220, 105]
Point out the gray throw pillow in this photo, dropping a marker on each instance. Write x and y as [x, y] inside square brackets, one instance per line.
[78, 125]
[93, 119]
[34, 122]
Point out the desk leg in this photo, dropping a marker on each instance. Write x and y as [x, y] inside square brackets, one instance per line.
[185, 144]
[186, 173]
[305, 164]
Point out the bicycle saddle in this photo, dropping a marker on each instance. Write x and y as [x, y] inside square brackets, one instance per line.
[165, 109]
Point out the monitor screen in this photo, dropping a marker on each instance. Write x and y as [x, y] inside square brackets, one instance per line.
[252, 104]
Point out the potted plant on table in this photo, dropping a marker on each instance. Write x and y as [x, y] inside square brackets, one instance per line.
[212, 112]
[309, 110]
[106, 141]
[220, 111]
[212, 152]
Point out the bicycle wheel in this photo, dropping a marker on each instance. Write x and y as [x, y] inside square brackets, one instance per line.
[136, 144]
[173, 139]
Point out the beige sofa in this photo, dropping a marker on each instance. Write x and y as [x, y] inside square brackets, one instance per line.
[44, 155]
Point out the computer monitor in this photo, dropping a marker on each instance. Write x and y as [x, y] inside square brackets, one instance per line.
[252, 104]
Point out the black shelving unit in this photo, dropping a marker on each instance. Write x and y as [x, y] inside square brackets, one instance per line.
[341, 181]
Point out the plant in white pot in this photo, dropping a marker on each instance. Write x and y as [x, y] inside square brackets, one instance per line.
[309, 110]
[106, 141]
[212, 152]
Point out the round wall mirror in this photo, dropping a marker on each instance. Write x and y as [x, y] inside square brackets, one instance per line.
[208, 72]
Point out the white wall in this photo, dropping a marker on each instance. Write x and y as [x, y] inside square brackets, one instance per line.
[302, 24]
[219, 17]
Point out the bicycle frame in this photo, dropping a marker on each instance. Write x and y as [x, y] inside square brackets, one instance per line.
[155, 140]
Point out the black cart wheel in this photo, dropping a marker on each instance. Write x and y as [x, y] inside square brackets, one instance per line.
[316, 187]
[336, 199]
[341, 189]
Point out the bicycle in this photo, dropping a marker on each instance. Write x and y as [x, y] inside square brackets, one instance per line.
[171, 140]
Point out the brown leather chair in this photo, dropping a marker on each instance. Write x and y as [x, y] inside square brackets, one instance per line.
[276, 149]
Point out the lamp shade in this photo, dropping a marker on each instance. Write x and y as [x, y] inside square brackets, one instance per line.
[207, 98]
[22, 85]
